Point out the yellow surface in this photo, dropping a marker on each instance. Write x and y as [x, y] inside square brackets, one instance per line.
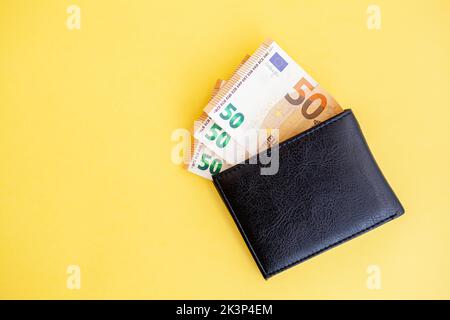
[85, 123]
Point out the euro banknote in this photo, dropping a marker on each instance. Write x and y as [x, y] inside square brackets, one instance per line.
[211, 134]
[202, 160]
[269, 91]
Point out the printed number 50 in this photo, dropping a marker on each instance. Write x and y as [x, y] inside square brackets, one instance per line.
[302, 96]
[214, 166]
[222, 138]
[235, 120]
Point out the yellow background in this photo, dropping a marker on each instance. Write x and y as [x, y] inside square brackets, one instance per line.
[86, 118]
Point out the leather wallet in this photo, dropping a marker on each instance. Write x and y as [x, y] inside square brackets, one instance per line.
[328, 189]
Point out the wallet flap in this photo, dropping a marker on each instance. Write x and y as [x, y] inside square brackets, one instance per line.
[328, 189]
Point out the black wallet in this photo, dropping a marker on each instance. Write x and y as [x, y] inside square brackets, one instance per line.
[328, 189]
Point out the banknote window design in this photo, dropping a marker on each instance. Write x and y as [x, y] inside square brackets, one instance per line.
[278, 62]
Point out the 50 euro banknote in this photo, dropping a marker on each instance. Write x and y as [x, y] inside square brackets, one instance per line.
[201, 160]
[204, 162]
[269, 91]
[211, 134]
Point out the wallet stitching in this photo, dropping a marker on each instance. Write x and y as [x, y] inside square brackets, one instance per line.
[315, 130]
[336, 243]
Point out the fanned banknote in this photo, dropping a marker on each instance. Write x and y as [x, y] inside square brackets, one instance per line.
[269, 91]
[211, 134]
[203, 161]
